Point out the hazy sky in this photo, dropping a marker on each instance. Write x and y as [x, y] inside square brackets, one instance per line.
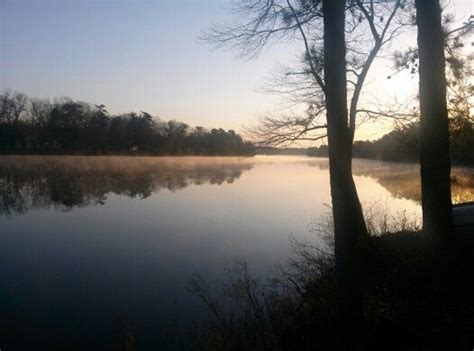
[142, 55]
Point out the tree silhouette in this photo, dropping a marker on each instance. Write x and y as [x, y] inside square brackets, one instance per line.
[324, 75]
[370, 27]
[68, 126]
[434, 141]
[349, 222]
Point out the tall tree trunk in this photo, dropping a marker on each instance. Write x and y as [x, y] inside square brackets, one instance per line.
[349, 222]
[434, 142]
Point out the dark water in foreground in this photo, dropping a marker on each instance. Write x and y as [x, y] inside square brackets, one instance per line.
[88, 242]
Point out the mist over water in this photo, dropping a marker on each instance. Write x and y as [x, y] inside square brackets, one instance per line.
[87, 242]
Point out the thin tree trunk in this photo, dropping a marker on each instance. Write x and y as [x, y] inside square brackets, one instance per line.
[434, 142]
[349, 222]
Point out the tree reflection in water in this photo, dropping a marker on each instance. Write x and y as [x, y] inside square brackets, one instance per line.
[65, 182]
[402, 180]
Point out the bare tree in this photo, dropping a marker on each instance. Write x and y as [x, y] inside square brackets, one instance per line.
[322, 28]
[370, 26]
[12, 106]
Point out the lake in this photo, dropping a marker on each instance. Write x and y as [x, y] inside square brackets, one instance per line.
[89, 242]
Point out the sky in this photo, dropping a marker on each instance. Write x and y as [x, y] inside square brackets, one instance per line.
[134, 55]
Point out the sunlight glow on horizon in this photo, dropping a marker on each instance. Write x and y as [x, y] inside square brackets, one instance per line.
[145, 56]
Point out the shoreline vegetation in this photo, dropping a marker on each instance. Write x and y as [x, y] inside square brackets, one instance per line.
[30, 126]
[68, 127]
[403, 144]
[408, 300]
[414, 298]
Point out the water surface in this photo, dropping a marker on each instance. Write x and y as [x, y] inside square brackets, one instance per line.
[88, 242]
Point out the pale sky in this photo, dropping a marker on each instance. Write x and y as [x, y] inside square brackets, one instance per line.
[134, 55]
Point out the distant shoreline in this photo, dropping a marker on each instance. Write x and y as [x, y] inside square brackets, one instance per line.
[125, 154]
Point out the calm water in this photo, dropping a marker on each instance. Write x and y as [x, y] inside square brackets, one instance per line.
[87, 242]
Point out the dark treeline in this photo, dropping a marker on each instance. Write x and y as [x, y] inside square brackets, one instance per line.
[29, 125]
[403, 144]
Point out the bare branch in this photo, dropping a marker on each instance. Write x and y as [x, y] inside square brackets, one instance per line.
[308, 52]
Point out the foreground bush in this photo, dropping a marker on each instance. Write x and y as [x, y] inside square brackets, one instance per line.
[413, 300]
